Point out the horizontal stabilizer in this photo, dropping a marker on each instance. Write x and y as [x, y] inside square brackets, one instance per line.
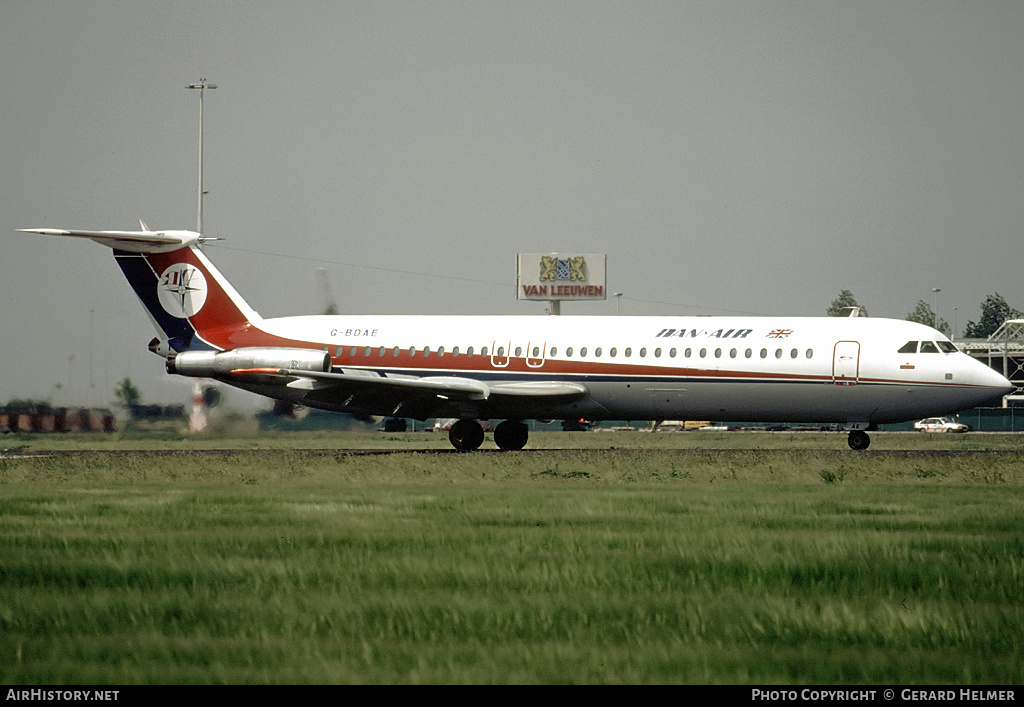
[132, 241]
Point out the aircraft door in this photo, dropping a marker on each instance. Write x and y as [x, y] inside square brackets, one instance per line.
[535, 353]
[846, 363]
[500, 354]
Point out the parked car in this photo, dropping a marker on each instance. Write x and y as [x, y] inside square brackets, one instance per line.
[939, 424]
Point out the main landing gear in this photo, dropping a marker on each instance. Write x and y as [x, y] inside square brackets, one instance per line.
[858, 440]
[511, 435]
[467, 435]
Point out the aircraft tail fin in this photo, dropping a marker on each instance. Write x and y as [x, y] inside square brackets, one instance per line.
[189, 301]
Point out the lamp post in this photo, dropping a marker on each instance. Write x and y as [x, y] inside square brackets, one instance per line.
[202, 86]
[935, 312]
[618, 301]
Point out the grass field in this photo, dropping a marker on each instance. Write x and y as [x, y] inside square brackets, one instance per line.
[250, 437]
[778, 560]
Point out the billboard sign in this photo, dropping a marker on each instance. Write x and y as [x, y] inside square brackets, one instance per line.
[560, 276]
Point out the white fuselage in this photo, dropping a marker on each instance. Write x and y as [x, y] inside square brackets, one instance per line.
[820, 369]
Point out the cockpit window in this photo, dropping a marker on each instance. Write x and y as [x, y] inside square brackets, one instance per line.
[947, 347]
[909, 347]
[929, 347]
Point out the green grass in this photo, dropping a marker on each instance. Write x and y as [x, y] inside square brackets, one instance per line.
[618, 566]
[249, 437]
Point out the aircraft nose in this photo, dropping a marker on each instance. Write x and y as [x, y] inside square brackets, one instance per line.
[986, 377]
[1008, 387]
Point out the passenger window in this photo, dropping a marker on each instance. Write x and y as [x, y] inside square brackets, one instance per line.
[440, 351]
[554, 351]
[778, 353]
[764, 353]
[455, 351]
[519, 351]
[597, 352]
[483, 350]
[501, 351]
[703, 353]
[718, 353]
[380, 351]
[394, 352]
[412, 350]
[469, 351]
[339, 351]
[583, 351]
[366, 352]
[352, 351]
[628, 352]
[810, 353]
[568, 352]
[732, 353]
[928, 347]
[748, 353]
[657, 353]
[536, 351]
[671, 353]
[909, 347]
[426, 350]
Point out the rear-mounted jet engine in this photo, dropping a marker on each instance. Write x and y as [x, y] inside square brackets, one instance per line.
[208, 364]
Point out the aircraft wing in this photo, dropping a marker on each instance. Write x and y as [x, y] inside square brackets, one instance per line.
[407, 396]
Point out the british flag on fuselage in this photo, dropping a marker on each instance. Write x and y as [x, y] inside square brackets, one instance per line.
[850, 371]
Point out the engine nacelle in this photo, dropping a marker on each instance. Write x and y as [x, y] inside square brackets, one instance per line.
[207, 364]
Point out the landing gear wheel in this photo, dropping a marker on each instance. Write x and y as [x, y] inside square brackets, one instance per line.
[858, 440]
[466, 435]
[511, 435]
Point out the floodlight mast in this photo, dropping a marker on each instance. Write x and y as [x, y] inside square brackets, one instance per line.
[202, 86]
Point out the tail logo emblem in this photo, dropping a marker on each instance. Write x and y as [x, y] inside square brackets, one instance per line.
[182, 290]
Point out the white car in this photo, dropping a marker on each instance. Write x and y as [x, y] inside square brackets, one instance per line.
[939, 424]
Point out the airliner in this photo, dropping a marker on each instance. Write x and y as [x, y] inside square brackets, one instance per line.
[856, 372]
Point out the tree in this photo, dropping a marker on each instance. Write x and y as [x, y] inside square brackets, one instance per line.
[923, 314]
[128, 396]
[994, 311]
[841, 305]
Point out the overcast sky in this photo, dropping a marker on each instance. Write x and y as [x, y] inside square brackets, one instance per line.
[729, 157]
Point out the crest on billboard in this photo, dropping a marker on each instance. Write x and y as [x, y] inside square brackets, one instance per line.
[554, 268]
